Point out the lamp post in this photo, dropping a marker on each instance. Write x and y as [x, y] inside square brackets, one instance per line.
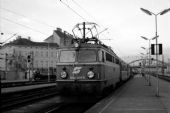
[48, 63]
[149, 54]
[156, 35]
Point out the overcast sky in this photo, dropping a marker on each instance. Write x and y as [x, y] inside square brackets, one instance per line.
[123, 18]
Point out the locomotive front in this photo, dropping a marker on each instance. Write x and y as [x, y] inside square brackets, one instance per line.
[79, 70]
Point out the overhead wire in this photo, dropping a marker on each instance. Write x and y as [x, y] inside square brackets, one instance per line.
[84, 10]
[73, 10]
[24, 26]
[35, 20]
[9, 38]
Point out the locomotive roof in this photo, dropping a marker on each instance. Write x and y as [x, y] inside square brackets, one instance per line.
[89, 45]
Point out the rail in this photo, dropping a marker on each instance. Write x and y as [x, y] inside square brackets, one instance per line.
[6, 84]
[16, 99]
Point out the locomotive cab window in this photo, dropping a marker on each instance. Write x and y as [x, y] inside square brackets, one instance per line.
[67, 56]
[86, 56]
[101, 56]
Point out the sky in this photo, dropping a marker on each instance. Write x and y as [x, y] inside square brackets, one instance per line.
[123, 18]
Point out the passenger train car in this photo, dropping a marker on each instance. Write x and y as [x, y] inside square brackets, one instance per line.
[89, 66]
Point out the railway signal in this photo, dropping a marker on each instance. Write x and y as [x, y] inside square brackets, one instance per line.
[29, 58]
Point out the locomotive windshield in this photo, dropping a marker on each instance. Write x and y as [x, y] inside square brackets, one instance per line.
[67, 56]
[86, 56]
[80, 56]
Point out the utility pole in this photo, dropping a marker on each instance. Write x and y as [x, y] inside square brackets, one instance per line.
[156, 35]
[6, 64]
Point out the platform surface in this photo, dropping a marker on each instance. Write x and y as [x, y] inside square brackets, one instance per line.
[136, 96]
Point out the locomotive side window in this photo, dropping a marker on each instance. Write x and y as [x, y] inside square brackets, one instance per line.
[87, 56]
[113, 59]
[108, 57]
[67, 56]
[117, 61]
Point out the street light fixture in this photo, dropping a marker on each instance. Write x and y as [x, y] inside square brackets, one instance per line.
[149, 52]
[142, 53]
[151, 13]
[143, 47]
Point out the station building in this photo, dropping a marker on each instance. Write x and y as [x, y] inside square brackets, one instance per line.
[22, 55]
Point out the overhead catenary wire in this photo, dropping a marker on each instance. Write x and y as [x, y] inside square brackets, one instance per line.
[9, 38]
[73, 11]
[24, 26]
[84, 10]
[35, 20]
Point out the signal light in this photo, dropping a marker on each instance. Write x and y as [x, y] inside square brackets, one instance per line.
[29, 58]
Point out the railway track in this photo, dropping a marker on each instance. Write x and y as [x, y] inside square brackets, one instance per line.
[47, 100]
[17, 99]
[57, 104]
[167, 78]
[23, 83]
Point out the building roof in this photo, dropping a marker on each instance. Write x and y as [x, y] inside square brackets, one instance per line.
[27, 42]
[63, 34]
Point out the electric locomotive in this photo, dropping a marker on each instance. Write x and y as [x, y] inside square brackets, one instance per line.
[88, 65]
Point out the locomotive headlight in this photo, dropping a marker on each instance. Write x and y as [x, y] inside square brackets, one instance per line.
[90, 74]
[63, 74]
[76, 45]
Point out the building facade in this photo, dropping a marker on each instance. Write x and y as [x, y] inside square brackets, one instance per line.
[23, 56]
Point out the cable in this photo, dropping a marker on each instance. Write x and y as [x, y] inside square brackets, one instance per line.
[24, 26]
[37, 21]
[73, 10]
[84, 10]
[9, 38]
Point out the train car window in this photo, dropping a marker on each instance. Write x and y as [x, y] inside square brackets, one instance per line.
[102, 56]
[67, 56]
[113, 59]
[117, 61]
[86, 56]
[108, 57]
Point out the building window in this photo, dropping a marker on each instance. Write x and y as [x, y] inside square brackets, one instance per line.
[51, 63]
[36, 54]
[47, 64]
[51, 54]
[41, 63]
[46, 53]
[36, 64]
[41, 53]
[56, 54]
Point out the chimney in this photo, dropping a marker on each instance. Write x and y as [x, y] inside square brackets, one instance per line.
[59, 29]
[29, 38]
[19, 37]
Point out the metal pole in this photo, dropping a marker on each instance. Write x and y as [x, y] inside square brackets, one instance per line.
[48, 63]
[6, 65]
[84, 28]
[162, 64]
[149, 63]
[157, 91]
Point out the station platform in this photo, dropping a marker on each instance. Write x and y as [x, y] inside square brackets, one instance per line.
[136, 96]
[24, 88]
[10, 81]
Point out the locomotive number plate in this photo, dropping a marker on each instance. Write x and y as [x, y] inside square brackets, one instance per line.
[78, 77]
